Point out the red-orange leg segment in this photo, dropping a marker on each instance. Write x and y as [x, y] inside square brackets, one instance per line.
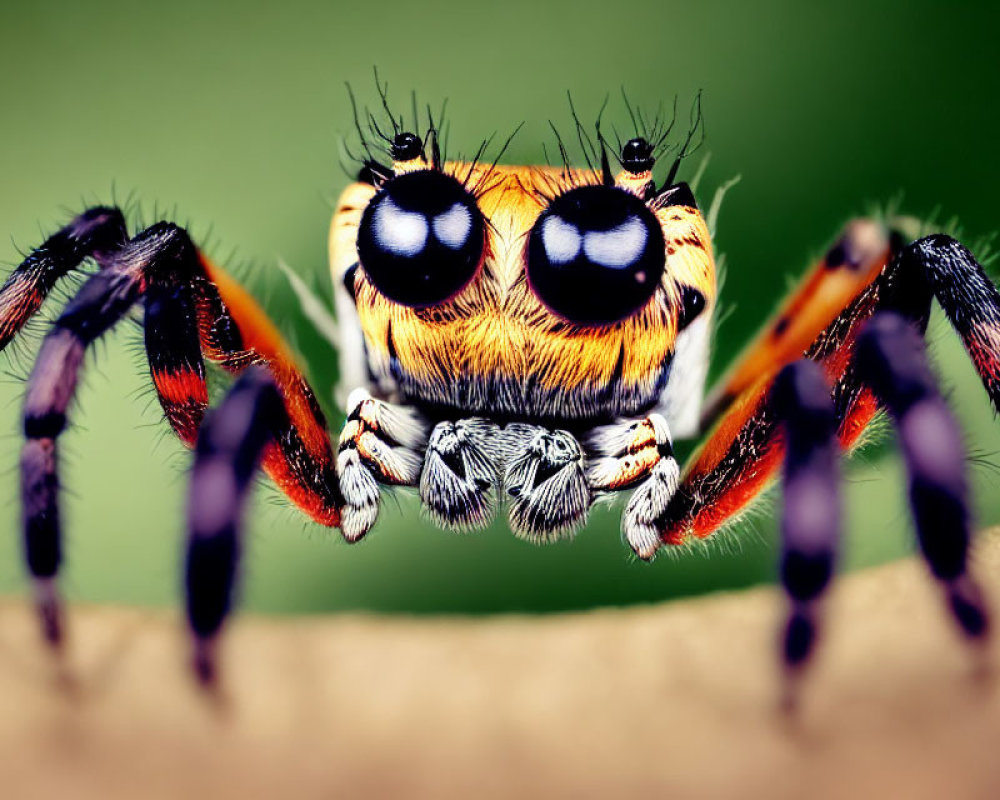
[742, 454]
[858, 256]
[236, 333]
[173, 350]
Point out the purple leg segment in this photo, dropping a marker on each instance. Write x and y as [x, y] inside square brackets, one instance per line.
[231, 441]
[810, 525]
[891, 359]
[100, 303]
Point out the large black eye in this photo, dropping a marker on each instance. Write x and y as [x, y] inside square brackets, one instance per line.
[421, 238]
[595, 255]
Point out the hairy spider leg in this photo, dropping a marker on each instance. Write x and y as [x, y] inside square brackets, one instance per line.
[810, 524]
[193, 307]
[743, 451]
[891, 359]
[231, 443]
[97, 233]
[860, 253]
[867, 367]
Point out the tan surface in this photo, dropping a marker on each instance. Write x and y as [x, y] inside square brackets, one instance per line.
[677, 700]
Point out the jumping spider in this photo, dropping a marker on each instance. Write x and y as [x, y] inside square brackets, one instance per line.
[526, 338]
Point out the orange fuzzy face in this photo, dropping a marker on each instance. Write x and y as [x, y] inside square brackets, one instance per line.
[494, 348]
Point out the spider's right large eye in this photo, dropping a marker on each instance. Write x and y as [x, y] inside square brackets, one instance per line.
[421, 238]
[595, 255]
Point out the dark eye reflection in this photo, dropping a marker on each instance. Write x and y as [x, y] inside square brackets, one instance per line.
[595, 255]
[421, 238]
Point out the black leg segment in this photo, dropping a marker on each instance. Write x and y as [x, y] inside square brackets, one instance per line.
[173, 349]
[230, 444]
[97, 233]
[968, 297]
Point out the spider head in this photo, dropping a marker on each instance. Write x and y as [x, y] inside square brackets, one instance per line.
[524, 292]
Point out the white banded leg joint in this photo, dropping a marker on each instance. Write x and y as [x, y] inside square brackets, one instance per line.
[380, 443]
[639, 454]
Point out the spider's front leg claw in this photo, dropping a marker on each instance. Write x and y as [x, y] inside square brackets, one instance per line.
[545, 482]
[380, 443]
[636, 454]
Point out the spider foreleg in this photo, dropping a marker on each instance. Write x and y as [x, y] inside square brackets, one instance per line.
[891, 358]
[458, 484]
[544, 481]
[636, 454]
[231, 442]
[810, 523]
[380, 443]
[864, 249]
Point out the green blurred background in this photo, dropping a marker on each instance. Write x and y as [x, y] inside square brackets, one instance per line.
[232, 113]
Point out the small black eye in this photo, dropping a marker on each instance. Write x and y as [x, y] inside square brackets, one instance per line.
[421, 238]
[406, 147]
[595, 255]
[637, 156]
[693, 303]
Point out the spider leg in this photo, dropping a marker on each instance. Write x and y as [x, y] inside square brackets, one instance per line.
[891, 359]
[744, 450]
[101, 302]
[859, 254]
[192, 309]
[96, 233]
[968, 298]
[871, 355]
[176, 366]
[810, 524]
[231, 443]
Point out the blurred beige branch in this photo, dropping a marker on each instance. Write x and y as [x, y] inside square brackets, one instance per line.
[677, 699]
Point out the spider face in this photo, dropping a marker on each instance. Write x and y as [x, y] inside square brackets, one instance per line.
[523, 293]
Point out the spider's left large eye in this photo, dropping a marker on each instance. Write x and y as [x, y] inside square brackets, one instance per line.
[421, 238]
[595, 255]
